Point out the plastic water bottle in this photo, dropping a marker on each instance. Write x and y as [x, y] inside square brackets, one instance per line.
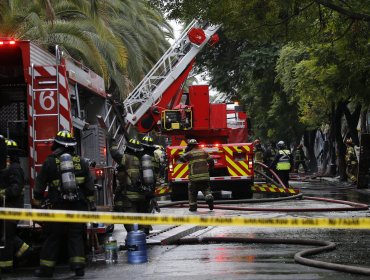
[111, 250]
[136, 246]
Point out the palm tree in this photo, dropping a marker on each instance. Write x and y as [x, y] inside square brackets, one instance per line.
[119, 39]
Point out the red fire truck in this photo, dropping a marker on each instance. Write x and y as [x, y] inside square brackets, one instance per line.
[159, 102]
[43, 92]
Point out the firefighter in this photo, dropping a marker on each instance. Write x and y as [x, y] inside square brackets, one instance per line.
[282, 163]
[11, 191]
[199, 164]
[258, 156]
[351, 161]
[299, 159]
[70, 187]
[270, 153]
[159, 163]
[128, 196]
[149, 174]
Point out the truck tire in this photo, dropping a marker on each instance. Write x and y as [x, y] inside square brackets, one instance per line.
[241, 191]
[178, 191]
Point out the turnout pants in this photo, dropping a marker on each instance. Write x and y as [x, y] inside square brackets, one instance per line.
[13, 245]
[64, 234]
[194, 187]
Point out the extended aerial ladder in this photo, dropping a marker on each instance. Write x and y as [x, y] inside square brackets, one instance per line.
[160, 86]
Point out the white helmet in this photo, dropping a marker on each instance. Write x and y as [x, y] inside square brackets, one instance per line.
[280, 145]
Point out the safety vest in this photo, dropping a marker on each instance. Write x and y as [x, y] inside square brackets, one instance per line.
[198, 164]
[284, 160]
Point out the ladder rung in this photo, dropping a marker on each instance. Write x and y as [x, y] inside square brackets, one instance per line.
[43, 140]
[45, 89]
[47, 82]
[45, 115]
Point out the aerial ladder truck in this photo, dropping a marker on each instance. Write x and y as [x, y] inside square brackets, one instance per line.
[159, 103]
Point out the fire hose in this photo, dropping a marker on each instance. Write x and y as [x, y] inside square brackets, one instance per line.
[298, 257]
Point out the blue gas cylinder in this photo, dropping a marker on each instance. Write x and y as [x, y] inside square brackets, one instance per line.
[136, 246]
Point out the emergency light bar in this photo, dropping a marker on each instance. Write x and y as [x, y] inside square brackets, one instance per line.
[11, 42]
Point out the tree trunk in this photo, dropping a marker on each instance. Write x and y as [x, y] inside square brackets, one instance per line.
[331, 144]
[309, 142]
[341, 147]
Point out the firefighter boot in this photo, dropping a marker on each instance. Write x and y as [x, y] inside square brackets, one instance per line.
[193, 207]
[209, 201]
[80, 272]
[44, 271]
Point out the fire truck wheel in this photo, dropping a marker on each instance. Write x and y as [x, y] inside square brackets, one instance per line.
[242, 192]
[179, 191]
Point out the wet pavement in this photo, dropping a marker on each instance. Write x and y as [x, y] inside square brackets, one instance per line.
[246, 261]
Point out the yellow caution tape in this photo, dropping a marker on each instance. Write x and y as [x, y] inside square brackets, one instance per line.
[135, 218]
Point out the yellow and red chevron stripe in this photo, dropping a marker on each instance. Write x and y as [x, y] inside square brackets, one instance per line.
[237, 167]
[162, 190]
[180, 170]
[273, 189]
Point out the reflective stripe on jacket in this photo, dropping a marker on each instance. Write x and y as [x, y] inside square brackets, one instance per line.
[284, 160]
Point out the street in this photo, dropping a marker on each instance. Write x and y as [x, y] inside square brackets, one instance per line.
[218, 260]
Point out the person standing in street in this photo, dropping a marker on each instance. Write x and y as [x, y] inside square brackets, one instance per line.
[70, 187]
[299, 159]
[128, 195]
[282, 163]
[11, 195]
[199, 164]
[258, 153]
[351, 161]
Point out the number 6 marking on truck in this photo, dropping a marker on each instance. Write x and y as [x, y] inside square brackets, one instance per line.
[47, 98]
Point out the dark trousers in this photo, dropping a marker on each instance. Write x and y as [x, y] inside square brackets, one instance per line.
[284, 176]
[298, 163]
[194, 187]
[64, 234]
[128, 204]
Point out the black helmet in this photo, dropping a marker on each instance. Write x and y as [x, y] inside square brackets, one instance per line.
[11, 144]
[134, 145]
[13, 150]
[147, 141]
[65, 138]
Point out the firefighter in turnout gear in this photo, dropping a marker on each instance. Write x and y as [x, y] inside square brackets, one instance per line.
[299, 159]
[282, 163]
[351, 161]
[199, 164]
[11, 192]
[70, 187]
[258, 156]
[160, 164]
[149, 175]
[128, 195]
